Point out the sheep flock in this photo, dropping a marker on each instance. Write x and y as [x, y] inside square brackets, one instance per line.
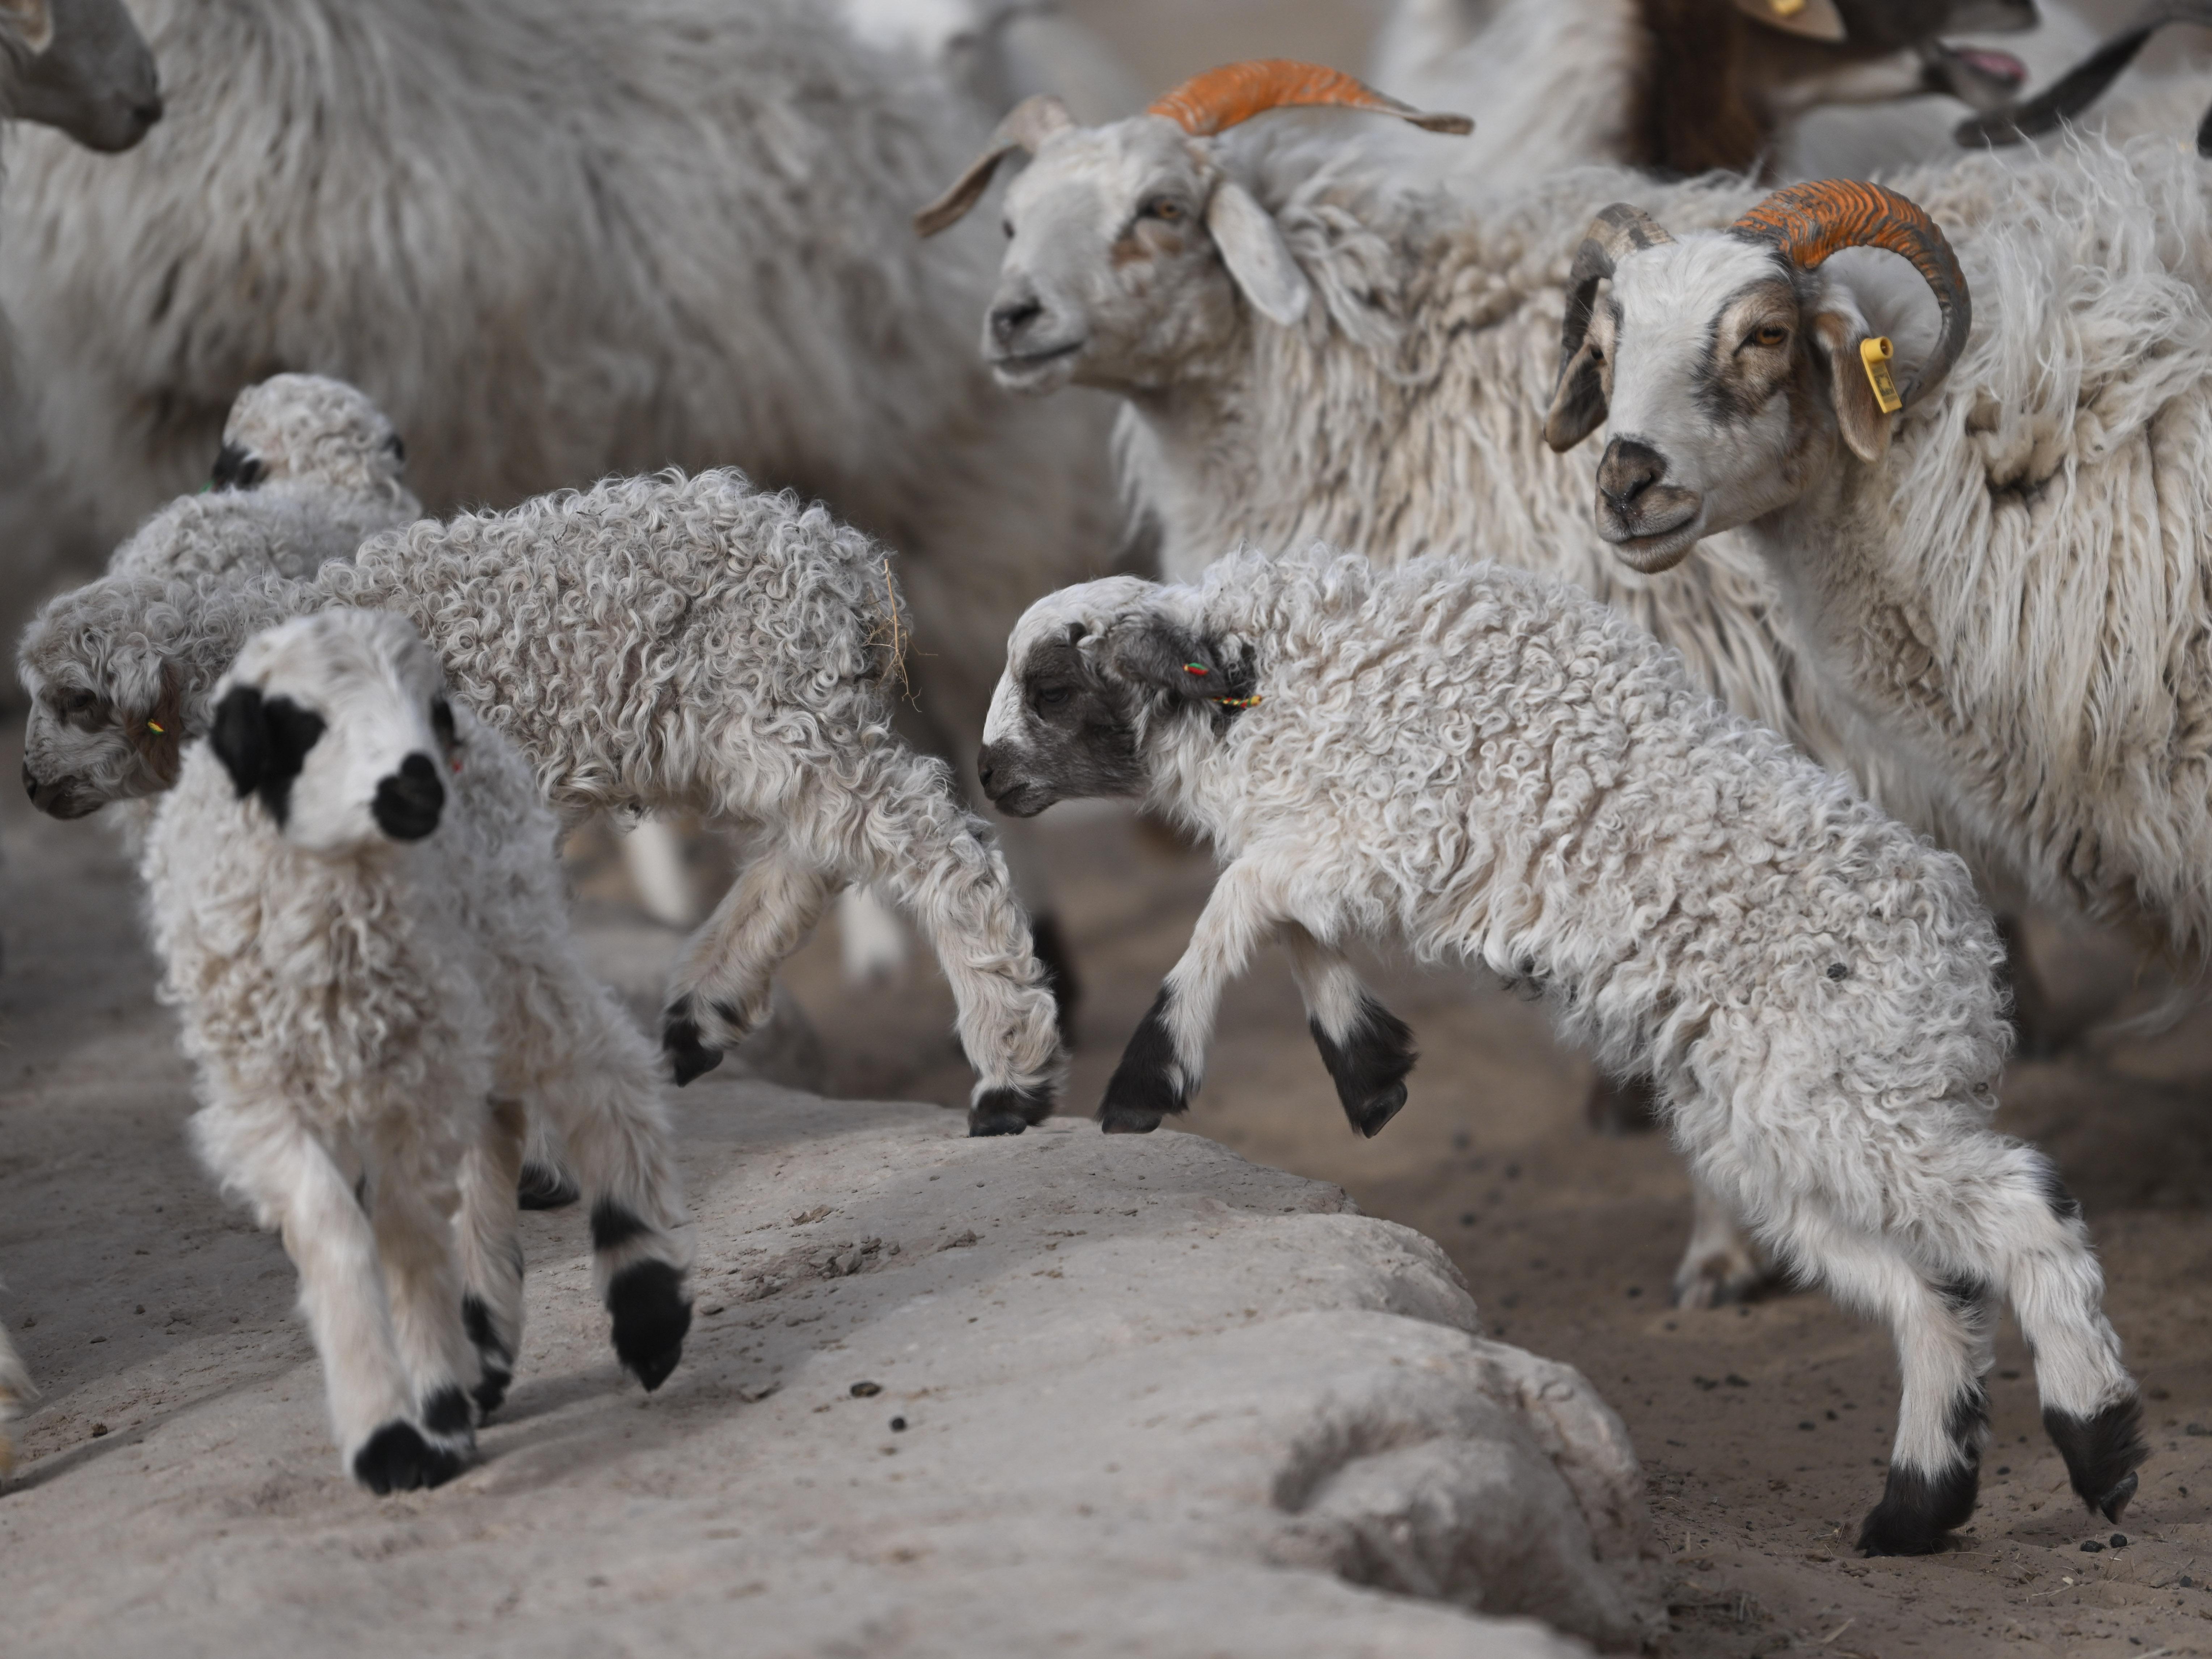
[1697, 512]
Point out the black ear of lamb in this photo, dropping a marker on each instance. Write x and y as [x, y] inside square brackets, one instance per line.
[236, 467]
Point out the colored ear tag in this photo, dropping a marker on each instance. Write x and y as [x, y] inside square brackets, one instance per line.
[1875, 353]
[1197, 668]
[155, 729]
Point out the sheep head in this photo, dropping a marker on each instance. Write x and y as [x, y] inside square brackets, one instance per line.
[1728, 363]
[1128, 244]
[337, 723]
[80, 65]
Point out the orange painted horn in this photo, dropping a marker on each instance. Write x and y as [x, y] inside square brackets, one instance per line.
[1808, 222]
[1221, 97]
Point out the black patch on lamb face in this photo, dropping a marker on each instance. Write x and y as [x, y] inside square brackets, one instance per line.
[1142, 1089]
[236, 467]
[613, 1226]
[1007, 1111]
[1371, 1065]
[652, 1315]
[1078, 737]
[446, 1412]
[408, 802]
[441, 722]
[1917, 1508]
[262, 743]
[2102, 1453]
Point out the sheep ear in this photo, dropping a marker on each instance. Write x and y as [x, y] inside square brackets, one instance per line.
[1578, 406]
[1257, 255]
[1860, 418]
[33, 21]
[239, 737]
[1152, 652]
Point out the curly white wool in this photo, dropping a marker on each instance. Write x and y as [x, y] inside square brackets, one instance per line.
[368, 1001]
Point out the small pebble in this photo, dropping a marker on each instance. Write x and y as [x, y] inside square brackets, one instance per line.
[1635, 1291]
[1735, 1381]
[97, 1430]
[2119, 1541]
[866, 1390]
[898, 1426]
[2004, 1468]
[1467, 1219]
[2091, 1546]
[711, 1309]
[1804, 1425]
[2186, 1582]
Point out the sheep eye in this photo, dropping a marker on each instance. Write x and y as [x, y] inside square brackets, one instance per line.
[1165, 208]
[1051, 696]
[73, 701]
[1007, 225]
[1771, 334]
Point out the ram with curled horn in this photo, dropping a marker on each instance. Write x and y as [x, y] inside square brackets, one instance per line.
[1104, 215]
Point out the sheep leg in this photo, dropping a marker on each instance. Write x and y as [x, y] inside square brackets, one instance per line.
[413, 1209]
[1368, 1049]
[597, 1083]
[292, 1183]
[898, 826]
[1721, 1263]
[15, 1391]
[491, 1250]
[1166, 1062]
[720, 991]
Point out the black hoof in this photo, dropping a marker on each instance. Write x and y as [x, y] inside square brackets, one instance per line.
[1128, 1121]
[995, 1122]
[545, 1186]
[2102, 1454]
[1375, 1114]
[1007, 1111]
[652, 1315]
[490, 1391]
[397, 1458]
[1918, 1511]
[689, 1058]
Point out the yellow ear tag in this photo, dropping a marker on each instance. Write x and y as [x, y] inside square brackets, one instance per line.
[1785, 8]
[1875, 353]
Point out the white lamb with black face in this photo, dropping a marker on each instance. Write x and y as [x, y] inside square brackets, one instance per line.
[1496, 770]
[354, 894]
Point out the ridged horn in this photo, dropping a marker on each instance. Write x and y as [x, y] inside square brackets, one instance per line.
[1808, 222]
[2086, 82]
[1026, 127]
[1222, 98]
[1618, 231]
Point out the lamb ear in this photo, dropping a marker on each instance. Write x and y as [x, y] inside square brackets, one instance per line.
[1257, 255]
[1860, 418]
[239, 737]
[1152, 651]
[33, 21]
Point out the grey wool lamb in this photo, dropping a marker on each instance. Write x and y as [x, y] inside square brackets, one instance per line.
[671, 643]
[1496, 770]
[355, 892]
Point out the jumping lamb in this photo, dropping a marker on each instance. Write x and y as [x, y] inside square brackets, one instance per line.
[355, 897]
[1495, 769]
[674, 643]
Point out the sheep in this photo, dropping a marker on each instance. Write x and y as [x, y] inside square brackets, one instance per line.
[1673, 87]
[81, 66]
[2008, 579]
[670, 643]
[556, 242]
[1493, 769]
[2070, 97]
[355, 895]
[1002, 51]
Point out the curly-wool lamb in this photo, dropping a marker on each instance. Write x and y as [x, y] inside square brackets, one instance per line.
[355, 892]
[1494, 769]
[654, 644]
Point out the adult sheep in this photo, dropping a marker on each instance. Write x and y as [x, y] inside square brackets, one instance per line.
[556, 241]
[2007, 576]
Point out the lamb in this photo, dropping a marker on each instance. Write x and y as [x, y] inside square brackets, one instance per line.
[2008, 577]
[1675, 87]
[654, 644]
[1493, 769]
[557, 241]
[355, 897]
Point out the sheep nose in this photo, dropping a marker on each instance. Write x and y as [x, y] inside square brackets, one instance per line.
[147, 110]
[986, 765]
[1628, 469]
[30, 783]
[1010, 319]
[408, 801]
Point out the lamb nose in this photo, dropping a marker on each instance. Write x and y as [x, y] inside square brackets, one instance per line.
[30, 783]
[1629, 469]
[1010, 318]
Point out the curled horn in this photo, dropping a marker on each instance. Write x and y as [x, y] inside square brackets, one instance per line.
[1222, 98]
[1806, 223]
[2087, 82]
[1617, 232]
[1026, 127]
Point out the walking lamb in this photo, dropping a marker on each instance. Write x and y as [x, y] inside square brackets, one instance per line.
[354, 894]
[1498, 769]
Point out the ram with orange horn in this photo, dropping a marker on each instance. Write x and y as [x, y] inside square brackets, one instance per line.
[1105, 217]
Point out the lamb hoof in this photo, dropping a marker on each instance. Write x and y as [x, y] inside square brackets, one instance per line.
[1129, 1120]
[2114, 1504]
[652, 1316]
[1719, 1280]
[1007, 1111]
[545, 1186]
[1377, 1114]
[397, 1458]
[689, 1058]
[983, 1120]
[490, 1391]
[1918, 1511]
[2101, 1453]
